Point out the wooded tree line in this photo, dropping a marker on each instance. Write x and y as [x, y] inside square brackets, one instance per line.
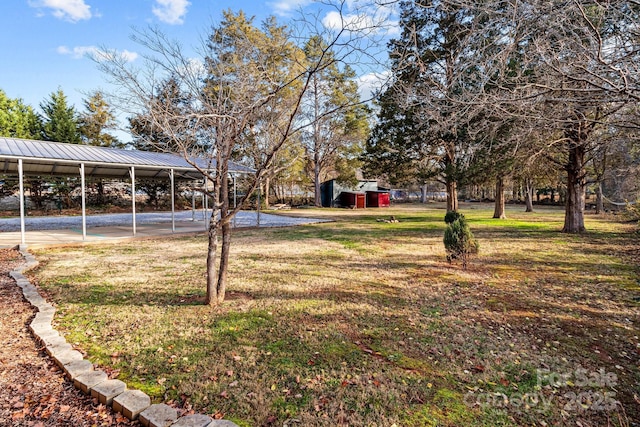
[484, 90]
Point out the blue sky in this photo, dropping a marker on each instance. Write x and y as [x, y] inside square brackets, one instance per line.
[44, 43]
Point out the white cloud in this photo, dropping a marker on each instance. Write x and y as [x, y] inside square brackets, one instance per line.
[69, 10]
[79, 52]
[369, 84]
[171, 11]
[287, 7]
[362, 22]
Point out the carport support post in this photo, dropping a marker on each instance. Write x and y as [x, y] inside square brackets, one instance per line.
[23, 239]
[205, 202]
[84, 203]
[193, 202]
[235, 199]
[235, 192]
[132, 173]
[173, 204]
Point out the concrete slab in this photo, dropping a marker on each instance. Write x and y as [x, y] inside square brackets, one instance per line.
[61, 230]
[58, 347]
[65, 357]
[42, 329]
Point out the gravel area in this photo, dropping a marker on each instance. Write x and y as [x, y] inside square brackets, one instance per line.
[243, 219]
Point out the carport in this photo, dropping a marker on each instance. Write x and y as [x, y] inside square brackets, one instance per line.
[23, 157]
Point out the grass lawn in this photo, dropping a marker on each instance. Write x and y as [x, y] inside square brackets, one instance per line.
[363, 323]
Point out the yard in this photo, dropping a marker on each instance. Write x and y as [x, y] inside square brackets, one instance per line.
[363, 323]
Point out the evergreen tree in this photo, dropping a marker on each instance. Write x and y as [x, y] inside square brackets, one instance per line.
[18, 120]
[458, 239]
[423, 120]
[95, 122]
[60, 120]
[147, 136]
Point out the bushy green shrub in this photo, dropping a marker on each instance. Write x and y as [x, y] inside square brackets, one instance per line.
[452, 216]
[459, 241]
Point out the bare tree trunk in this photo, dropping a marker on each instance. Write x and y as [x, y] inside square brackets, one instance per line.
[267, 185]
[223, 269]
[212, 249]
[224, 262]
[423, 193]
[452, 196]
[316, 185]
[574, 205]
[599, 199]
[528, 196]
[100, 191]
[499, 212]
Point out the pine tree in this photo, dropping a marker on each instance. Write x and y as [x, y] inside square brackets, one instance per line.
[96, 120]
[61, 120]
[458, 238]
[18, 120]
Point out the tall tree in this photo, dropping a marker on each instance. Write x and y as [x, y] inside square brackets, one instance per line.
[17, 119]
[96, 122]
[423, 108]
[285, 63]
[338, 122]
[60, 120]
[168, 98]
[226, 96]
[583, 56]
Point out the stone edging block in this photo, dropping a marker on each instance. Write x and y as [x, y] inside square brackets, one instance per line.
[107, 390]
[131, 403]
[77, 367]
[158, 415]
[196, 420]
[85, 382]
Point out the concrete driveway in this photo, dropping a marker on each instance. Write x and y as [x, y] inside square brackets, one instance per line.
[55, 230]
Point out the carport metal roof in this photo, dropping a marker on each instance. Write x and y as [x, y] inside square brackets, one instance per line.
[56, 158]
[28, 157]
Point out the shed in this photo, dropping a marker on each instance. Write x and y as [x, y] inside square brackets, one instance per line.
[352, 199]
[378, 199]
[331, 190]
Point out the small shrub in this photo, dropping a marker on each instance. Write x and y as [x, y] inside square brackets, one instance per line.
[459, 241]
[452, 216]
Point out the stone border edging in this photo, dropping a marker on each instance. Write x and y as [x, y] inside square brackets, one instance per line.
[133, 404]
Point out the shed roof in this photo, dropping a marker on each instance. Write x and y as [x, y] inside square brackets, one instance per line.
[57, 158]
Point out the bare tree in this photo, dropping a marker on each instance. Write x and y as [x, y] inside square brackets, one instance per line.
[246, 79]
[568, 67]
[578, 75]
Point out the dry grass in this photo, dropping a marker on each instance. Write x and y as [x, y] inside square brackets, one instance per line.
[358, 322]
